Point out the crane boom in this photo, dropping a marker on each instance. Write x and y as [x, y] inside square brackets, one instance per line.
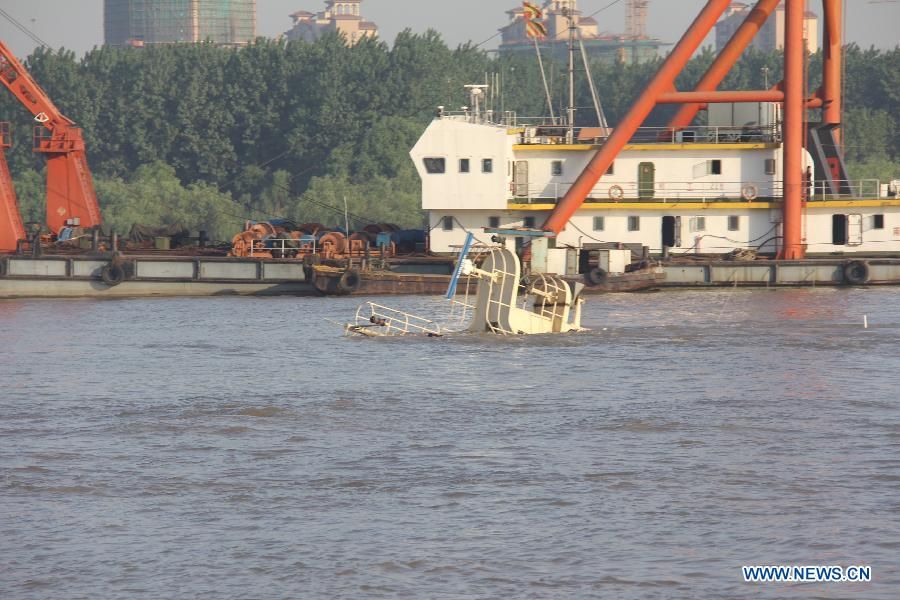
[71, 199]
[11, 228]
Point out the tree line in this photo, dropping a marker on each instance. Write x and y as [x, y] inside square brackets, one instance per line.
[209, 137]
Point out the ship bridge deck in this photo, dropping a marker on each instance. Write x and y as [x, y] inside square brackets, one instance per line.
[539, 132]
[760, 194]
[680, 137]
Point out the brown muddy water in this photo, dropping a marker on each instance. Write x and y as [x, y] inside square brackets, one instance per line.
[240, 448]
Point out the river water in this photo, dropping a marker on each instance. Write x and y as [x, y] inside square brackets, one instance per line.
[241, 448]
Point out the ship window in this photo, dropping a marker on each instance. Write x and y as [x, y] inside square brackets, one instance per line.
[599, 224]
[435, 165]
[556, 167]
[707, 167]
[493, 222]
[634, 223]
[770, 166]
[699, 223]
[877, 221]
[487, 165]
[447, 223]
[528, 222]
[612, 168]
[734, 223]
[464, 165]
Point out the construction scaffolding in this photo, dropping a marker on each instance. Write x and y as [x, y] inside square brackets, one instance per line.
[636, 19]
[143, 22]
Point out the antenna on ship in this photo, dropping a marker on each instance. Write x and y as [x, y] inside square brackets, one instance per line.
[598, 107]
[575, 34]
[570, 110]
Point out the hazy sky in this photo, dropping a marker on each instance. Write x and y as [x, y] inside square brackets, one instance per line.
[78, 24]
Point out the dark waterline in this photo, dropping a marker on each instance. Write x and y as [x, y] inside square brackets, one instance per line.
[239, 448]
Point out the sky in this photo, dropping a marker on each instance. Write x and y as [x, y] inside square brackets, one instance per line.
[78, 24]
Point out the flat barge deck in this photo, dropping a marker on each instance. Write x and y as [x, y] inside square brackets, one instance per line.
[78, 276]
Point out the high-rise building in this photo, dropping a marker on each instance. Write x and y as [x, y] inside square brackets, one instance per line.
[343, 16]
[771, 35]
[633, 48]
[141, 22]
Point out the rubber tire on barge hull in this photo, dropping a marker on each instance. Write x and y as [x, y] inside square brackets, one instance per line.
[596, 276]
[349, 282]
[112, 275]
[856, 272]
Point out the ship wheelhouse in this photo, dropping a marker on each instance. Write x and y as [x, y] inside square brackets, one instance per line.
[706, 189]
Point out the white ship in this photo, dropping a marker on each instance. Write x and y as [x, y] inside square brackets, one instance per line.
[706, 190]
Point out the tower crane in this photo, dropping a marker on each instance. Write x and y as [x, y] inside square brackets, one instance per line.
[71, 199]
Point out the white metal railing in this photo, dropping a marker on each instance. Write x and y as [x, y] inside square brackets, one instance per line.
[377, 320]
[541, 130]
[668, 191]
[697, 191]
[704, 134]
[555, 134]
[856, 189]
[507, 118]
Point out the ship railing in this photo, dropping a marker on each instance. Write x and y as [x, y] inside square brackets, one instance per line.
[706, 134]
[462, 305]
[856, 189]
[550, 134]
[385, 321]
[668, 191]
[507, 118]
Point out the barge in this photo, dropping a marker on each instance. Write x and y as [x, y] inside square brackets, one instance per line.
[755, 178]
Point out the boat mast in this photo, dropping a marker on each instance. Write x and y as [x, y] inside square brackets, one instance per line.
[570, 132]
[598, 108]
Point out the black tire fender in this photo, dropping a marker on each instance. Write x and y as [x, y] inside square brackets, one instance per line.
[856, 272]
[112, 274]
[596, 276]
[349, 282]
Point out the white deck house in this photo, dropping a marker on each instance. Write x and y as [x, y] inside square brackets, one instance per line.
[707, 189]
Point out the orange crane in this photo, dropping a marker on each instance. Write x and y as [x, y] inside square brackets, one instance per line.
[71, 199]
[791, 93]
[11, 228]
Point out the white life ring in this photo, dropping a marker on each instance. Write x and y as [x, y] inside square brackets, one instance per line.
[749, 192]
[616, 192]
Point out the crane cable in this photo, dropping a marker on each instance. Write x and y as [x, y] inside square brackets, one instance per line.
[34, 37]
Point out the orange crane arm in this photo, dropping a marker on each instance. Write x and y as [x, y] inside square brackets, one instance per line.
[17, 79]
[662, 82]
[11, 228]
[71, 199]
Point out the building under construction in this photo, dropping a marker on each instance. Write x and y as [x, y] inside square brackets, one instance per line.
[632, 47]
[142, 22]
